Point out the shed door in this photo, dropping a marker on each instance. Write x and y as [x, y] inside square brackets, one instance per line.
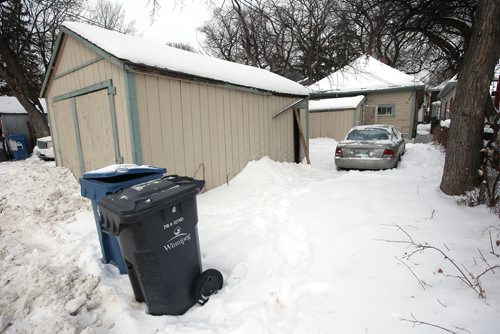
[96, 129]
[67, 150]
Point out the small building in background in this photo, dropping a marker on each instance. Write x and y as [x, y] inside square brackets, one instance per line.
[391, 96]
[14, 120]
[447, 97]
[342, 112]
[115, 98]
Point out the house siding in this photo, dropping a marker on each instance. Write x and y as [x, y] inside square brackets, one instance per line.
[207, 131]
[404, 108]
[332, 124]
[72, 74]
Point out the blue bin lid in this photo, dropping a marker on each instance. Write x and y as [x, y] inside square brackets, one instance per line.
[17, 136]
[100, 182]
[122, 169]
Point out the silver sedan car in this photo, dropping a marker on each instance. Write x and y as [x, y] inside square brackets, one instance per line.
[370, 147]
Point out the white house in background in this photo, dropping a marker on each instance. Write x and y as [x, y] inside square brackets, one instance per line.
[116, 98]
[343, 112]
[391, 96]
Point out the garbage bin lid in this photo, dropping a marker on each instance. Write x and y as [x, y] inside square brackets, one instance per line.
[131, 204]
[122, 169]
[16, 136]
[97, 183]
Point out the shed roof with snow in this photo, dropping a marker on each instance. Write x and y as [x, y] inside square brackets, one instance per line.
[134, 50]
[391, 96]
[447, 86]
[333, 117]
[11, 105]
[362, 75]
[338, 103]
[117, 98]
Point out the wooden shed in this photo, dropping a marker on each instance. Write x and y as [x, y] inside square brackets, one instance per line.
[334, 117]
[14, 119]
[115, 98]
[392, 97]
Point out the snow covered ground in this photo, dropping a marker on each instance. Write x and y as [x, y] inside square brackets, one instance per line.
[303, 249]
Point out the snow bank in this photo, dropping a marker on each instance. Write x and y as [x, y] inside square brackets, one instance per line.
[303, 249]
[423, 129]
[445, 123]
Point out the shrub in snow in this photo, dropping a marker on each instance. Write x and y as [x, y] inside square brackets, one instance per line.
[440, 135]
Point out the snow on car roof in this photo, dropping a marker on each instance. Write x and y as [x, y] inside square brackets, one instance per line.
[143, 52]
[373, 126]
[364, 74]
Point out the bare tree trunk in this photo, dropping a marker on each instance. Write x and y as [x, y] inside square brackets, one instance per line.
[20, 85]
[467, 120]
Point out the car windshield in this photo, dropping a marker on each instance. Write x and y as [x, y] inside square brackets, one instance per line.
[368, 134]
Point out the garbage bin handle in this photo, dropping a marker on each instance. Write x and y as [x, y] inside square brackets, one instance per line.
[185, 179]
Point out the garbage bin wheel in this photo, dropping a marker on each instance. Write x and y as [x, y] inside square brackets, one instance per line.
[207, 284]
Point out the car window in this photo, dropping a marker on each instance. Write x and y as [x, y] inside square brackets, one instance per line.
[368, 134]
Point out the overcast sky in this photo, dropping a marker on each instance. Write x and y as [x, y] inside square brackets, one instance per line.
[176, 21]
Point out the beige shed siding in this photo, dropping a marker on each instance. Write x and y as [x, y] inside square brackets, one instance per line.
[96, 131]
[73, 54]
[332, 124]
[63, 133]
[208, 131]
[402, 101]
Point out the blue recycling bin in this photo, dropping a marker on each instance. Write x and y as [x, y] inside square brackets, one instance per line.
[18, 145]
[96, 184]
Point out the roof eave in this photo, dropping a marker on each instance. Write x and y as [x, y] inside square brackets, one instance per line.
[142, 68]
[339, 109]
[333, 94]
[131, 66]
[65, 31]
[450, 85]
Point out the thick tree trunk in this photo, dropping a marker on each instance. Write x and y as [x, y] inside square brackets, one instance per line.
[12, 73]
[467, 120]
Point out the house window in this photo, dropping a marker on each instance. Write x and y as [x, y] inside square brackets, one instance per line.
[386, 110]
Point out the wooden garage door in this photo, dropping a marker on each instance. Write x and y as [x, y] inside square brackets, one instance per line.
[96, 129]
[65, 135]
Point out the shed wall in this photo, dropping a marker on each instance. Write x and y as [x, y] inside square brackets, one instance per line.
[76, 68]
[209, 131]
[332, 124]
[403, 114]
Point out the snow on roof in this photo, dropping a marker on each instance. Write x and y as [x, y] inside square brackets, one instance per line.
[11, 105]
[439, 87]
[364, 74]
[338, 103]
[448, 86]
[139, 51]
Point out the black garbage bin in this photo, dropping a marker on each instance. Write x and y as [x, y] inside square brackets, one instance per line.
[4, 152]
[156, 226]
